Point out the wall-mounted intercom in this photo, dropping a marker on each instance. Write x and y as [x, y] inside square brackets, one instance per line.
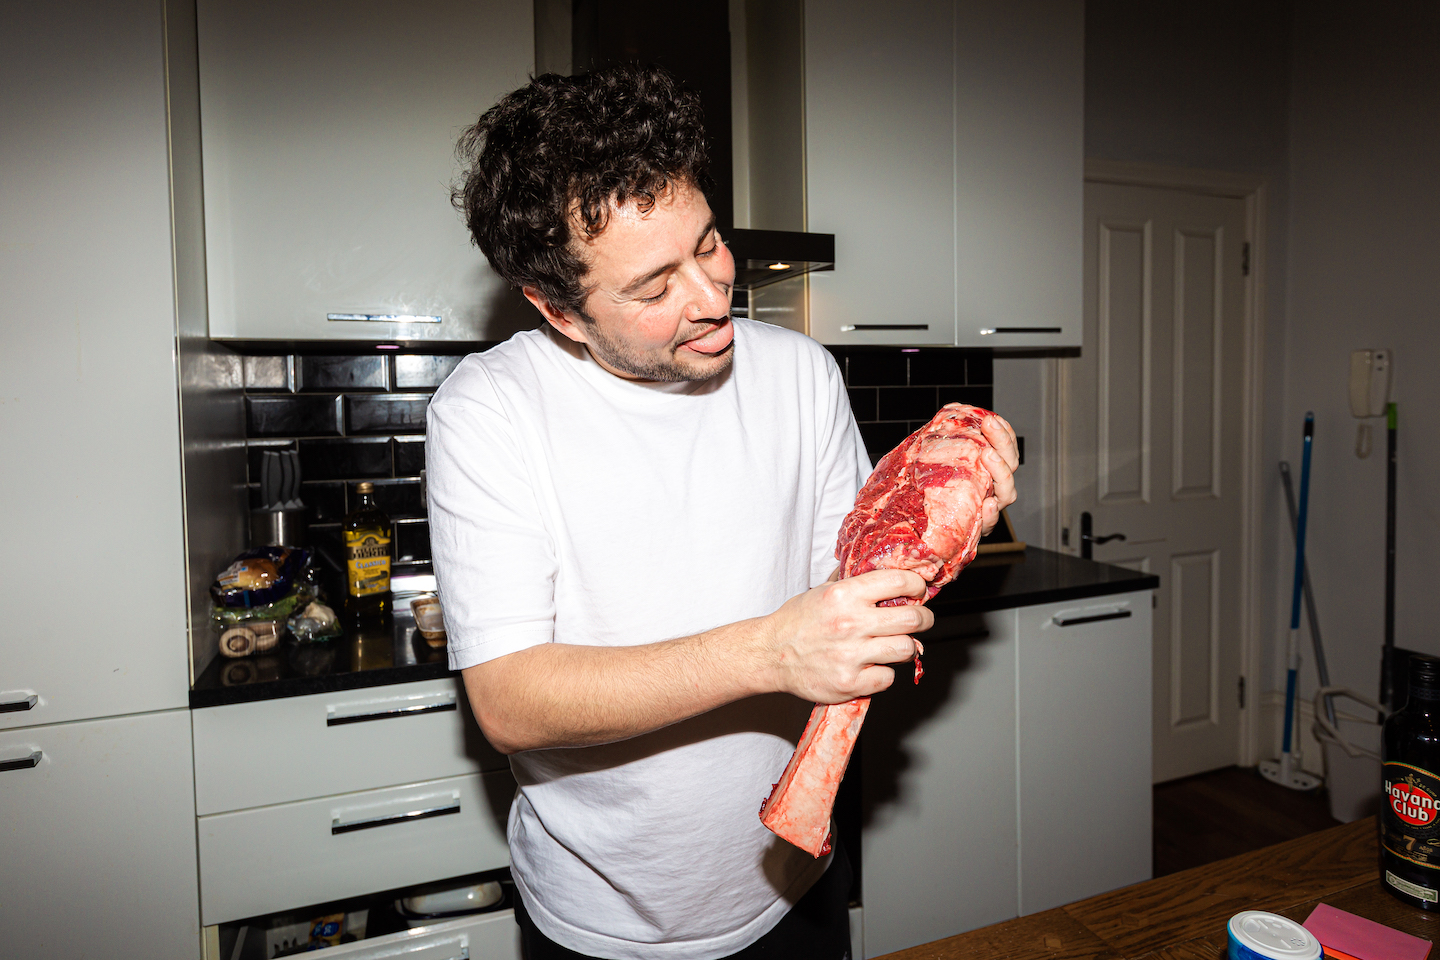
[1369, 391]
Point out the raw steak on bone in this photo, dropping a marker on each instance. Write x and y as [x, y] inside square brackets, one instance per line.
[920, 510]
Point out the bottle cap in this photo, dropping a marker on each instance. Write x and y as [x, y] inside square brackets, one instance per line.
[366, 487]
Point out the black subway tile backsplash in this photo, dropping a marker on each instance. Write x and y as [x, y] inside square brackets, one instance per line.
[412, 540]
[409, 456]
[877, 368]
[863, 403]
[975, 396]
[416, 372]
[386, 413]
[341, 373]
[907, 403]
[375, 430]
[398, 498]
[292, 416]
[266, 373]
[348, 458]
[938, 367]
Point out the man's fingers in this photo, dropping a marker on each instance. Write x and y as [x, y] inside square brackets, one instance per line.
[891, 649]
[1001, 435]
[1002, 476]
[877, 585]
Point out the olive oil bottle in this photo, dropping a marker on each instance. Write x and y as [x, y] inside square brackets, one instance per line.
[368, 550]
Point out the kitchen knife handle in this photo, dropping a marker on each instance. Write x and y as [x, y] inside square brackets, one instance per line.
[23, 763]
[21, 705]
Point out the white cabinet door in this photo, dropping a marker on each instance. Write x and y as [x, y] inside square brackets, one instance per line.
[328, 135]
[938, 784]
[1084, 748]
[490, 936]
[1019, 172]
[92, 574]
[945, 151]
[98, 844]
[880, 169]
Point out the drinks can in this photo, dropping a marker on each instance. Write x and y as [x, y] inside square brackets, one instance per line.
[1257, 935]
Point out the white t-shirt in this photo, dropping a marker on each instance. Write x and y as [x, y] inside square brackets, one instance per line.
[567, 504]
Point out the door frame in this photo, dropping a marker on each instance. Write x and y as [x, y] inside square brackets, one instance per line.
[1250, 188]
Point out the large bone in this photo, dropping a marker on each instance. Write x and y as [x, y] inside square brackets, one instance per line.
[920, 510]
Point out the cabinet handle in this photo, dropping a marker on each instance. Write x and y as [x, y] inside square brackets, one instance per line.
[383, 317]
[386, 709]
[884, 326]
[987, 331]
[369, 823]
[1095, 618]
[24, 763]
[18, 706]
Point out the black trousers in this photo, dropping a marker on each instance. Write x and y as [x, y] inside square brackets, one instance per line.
[816, 928]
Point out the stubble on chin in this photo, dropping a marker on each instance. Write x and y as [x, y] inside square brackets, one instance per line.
[672, 370]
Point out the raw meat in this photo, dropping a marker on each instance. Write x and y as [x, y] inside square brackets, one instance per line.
[920, 510]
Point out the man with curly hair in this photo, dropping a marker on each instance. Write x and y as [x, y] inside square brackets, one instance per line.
[633, 510]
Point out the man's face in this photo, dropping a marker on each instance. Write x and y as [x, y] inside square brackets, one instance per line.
[660, 284]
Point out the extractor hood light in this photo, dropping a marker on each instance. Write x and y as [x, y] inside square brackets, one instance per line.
[779, 266]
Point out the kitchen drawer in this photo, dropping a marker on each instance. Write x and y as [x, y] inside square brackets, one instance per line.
[254, 862]
[294, 748]
[489, 936]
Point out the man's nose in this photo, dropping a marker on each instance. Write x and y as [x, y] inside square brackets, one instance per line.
[709, 300]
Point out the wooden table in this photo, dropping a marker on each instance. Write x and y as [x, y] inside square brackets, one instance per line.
[1183, 916]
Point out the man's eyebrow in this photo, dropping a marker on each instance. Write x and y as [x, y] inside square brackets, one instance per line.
[634, 286]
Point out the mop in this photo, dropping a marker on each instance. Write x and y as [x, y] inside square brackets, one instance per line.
[1283, 771]
[1321, 670]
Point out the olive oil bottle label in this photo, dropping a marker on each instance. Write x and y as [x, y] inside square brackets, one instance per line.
[1411, 821]
[367, 561]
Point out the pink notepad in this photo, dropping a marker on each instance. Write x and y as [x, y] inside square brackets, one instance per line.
[1346, 935]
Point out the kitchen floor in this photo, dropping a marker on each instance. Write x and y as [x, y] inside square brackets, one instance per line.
[1211, 816]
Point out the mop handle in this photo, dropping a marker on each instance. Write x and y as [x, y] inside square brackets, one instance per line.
[1300, 523]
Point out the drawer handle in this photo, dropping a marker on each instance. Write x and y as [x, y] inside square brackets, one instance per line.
[988, 331]
[24, 763]
[385, 710]
[383, 317]
[21, 705]
[884, 326]
[1060, 621]
[369, 823]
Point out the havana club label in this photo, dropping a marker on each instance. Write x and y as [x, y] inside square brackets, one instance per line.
[1411, 820]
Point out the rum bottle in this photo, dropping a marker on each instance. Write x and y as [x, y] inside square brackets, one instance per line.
[1410, 819]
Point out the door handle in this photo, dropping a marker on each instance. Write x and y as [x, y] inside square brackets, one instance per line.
[396, 812]
[23, 763]
[16, 706]
[389, 707]
[1088, 538]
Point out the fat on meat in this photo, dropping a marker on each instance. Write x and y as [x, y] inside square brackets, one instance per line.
[920, 510]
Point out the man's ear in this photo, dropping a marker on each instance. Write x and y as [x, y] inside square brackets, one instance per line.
[559, 319]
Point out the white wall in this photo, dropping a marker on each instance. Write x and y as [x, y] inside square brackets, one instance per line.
[1364, 239]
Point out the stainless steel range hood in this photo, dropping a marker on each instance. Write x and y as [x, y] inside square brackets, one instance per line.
[745, 58]
[763, 257]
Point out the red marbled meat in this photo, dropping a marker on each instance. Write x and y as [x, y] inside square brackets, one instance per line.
[920, 510]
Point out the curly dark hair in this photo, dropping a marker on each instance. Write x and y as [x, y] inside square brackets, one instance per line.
[555, 154]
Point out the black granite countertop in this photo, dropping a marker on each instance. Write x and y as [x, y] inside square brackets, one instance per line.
[999, 581]
[364, 658]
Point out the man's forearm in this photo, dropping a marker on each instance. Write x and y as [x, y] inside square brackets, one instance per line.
[566, 695]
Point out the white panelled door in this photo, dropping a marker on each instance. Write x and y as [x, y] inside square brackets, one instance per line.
[1152, 443]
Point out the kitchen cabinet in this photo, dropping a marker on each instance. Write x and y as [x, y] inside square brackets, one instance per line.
[99, 842]
[945, 151]
[328, 134]
[92, 577]
[1015, 777]
[308, 799]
